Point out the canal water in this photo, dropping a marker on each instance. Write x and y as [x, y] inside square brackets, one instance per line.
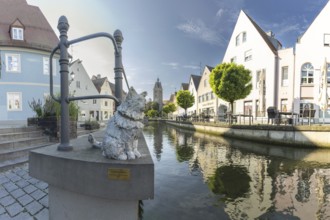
[199, 176]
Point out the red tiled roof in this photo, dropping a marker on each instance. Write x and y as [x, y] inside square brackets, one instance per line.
[38, 33]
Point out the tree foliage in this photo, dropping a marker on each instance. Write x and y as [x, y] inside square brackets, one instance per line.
[151, 106]
[53, 108]
[185, 99]
[170, 107]
[152, 113]
[231, 82]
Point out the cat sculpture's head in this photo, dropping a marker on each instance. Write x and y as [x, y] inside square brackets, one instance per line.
[134, 104]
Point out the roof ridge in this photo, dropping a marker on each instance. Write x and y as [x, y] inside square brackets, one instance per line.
[262, 33]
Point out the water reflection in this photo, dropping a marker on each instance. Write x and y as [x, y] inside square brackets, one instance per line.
[247, 180]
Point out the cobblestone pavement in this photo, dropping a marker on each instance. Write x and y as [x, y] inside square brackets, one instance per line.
[21, 196]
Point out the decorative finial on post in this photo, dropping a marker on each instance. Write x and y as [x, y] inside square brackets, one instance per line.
[118, 66]
[63, 27]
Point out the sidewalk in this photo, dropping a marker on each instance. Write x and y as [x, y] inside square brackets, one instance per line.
[21, 196]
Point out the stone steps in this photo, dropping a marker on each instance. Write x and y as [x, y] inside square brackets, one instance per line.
[15, 144]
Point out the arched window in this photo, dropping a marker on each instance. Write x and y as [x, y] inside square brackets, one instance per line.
[307, 73]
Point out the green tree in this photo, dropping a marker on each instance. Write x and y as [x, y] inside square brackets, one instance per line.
[151, 106]
[169, 108]
[185, 99]
[231, 82]
[152, 113]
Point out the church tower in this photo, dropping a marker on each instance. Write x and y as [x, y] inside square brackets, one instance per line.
[158, 94]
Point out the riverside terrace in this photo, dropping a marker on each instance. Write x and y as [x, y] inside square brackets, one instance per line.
[314, 136]
[273, 117]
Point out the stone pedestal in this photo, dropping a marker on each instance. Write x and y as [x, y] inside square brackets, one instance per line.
[85, 185]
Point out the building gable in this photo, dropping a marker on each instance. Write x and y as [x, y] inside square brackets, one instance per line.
[246, 35]
[319, 30]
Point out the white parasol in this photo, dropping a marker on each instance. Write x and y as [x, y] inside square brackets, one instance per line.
[323, 98]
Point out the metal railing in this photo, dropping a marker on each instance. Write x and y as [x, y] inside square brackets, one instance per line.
[64, 44]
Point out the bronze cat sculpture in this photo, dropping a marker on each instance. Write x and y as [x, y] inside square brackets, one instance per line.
[121, 137]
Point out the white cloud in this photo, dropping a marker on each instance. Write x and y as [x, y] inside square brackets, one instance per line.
[173, 65]
[198, 30]
[220, 12]
[289, 28]
[191, 67]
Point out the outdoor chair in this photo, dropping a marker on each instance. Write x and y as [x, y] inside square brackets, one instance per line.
[273, 115]
[309, 114]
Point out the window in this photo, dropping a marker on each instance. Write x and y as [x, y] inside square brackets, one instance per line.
[307, 73]
[46, 66]
[237, 40]
[78, 84]
[14, 101]
[17, 33]
[233, 60]
[305, 105]
[248, 108]
[94, 101]
[248, 55]
[284, 105]
[285, 80]
[327, 40]
[105, 103]
[13, 63]
[205, 82]
[244, 37]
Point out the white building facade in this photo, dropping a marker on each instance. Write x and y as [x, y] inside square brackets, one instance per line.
[82, 85]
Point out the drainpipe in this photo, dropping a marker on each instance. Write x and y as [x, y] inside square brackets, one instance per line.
[276, 80]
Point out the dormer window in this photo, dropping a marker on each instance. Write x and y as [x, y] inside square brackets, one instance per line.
[17, 33]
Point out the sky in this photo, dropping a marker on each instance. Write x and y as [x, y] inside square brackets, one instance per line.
[170, 39]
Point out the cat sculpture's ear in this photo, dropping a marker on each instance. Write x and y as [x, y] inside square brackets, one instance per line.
[144, 94]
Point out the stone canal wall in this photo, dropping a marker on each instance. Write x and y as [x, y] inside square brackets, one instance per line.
[298, 136]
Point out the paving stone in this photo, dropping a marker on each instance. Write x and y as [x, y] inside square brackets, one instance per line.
[17, 193]
[44, 201]
[33, 181]
[10, 186]
[34, 207]
[4, 216]
[2, 210]
[3, 193]
[30, 188]
[6, 201]
[43, 214]
[24, 200]
[9, 174]
[24, 216]
[21, 172]
[3, 179]
[38, 194]
[22, 183]
[14, 209]
[42, 185]
[26, 176]
[15, 178]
